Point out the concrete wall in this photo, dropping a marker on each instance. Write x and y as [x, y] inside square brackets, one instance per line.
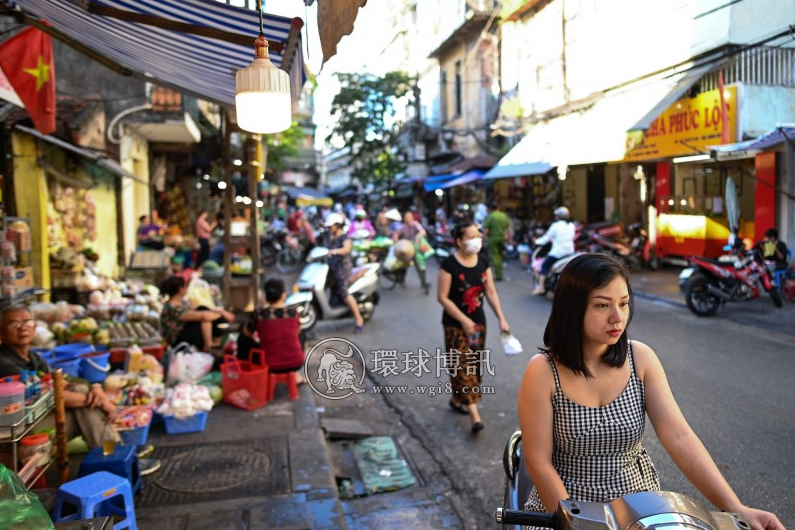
[571, 49]
[761, 107]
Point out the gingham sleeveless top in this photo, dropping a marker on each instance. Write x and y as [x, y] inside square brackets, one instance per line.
[598, 451]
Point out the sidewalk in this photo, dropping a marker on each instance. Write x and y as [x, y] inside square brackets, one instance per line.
[663, 285]
[267, 468]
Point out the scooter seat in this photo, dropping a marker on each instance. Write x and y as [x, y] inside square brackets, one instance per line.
[357, 272]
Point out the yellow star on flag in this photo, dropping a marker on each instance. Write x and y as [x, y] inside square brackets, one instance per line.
[41, 73]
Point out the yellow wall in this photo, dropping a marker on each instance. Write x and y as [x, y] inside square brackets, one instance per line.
[135, 195]
[106, 243]
[35, 195]
[30, 189]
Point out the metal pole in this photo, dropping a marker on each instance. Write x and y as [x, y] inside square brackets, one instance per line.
[255, 170]
[229, 192]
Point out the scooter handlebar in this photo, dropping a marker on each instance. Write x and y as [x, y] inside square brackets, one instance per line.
[518, 517]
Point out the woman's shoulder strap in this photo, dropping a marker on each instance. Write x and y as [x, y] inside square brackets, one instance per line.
[554, 369]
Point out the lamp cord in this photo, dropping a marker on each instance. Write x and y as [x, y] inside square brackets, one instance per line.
[261, 26]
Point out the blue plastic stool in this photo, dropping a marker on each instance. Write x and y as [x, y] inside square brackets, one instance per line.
[123, 462]
[96, 495]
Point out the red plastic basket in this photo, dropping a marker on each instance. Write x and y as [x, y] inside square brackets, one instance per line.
[245, 383]
[156, 351]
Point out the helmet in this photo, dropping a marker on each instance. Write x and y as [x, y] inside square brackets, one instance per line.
[334, 219]
[360, 213]
[562, 212]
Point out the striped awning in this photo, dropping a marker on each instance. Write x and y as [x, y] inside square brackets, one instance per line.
[193, 46]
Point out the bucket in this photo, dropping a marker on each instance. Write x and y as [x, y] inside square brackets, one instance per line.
[46, 354]
[94, 367]
[72, 351]
[69, 366]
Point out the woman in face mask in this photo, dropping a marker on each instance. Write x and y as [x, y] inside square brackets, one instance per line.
[465, 278]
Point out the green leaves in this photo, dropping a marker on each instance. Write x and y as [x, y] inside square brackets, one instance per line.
[367, 124]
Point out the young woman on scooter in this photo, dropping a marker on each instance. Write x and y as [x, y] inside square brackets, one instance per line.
[464, 279]
[583, 401]
[339, 262]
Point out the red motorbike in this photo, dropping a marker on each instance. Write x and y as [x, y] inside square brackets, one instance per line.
[710, 283]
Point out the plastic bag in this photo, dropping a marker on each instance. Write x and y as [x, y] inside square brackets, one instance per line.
[188, 366]
[510, 344]
[424, 248]
[20, 509]
[199, 293]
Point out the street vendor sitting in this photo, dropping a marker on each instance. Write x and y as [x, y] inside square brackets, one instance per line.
[88, 407]
[180, 322]
[89, 412]
[278, 329]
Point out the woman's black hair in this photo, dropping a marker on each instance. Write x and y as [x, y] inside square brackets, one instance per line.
[458, 230]
[564, 334]
[172, 285]
[274, 289]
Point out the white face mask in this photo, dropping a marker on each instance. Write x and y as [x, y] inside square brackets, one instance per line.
[473, 246]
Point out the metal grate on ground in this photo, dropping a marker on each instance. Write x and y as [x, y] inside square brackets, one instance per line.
[218, 471]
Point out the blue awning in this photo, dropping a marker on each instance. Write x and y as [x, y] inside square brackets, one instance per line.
[435, 182]
[467, 178]
[193, 46]
[778, 134]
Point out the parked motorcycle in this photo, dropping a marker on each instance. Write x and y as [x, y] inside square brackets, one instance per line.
[710, 283]
[641, 246]
[316, 302]
[443, 243]
[637, 511]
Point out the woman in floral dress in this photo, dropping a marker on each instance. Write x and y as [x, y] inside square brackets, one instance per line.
[465, 278]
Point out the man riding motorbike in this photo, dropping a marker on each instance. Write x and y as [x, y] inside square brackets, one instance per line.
[561, 234]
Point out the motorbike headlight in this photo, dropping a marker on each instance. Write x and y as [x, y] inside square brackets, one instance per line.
[296, 289]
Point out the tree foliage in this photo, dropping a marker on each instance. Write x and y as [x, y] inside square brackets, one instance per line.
[282, 146]
[366, 123]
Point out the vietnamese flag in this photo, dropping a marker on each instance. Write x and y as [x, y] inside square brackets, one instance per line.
[27, 61]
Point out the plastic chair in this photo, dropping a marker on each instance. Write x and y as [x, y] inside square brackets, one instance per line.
[96, 495]
[781, 275]
[122, 462]
[288, 379]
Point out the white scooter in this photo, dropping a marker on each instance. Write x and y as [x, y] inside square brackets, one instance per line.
[537, 260]
[637, 511]
[314, 300]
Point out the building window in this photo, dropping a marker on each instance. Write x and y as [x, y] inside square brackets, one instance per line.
[443, 97]
[458, 88]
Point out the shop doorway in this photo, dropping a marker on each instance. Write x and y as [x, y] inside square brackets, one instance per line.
[596, 193]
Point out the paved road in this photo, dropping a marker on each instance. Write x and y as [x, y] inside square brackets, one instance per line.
[733, 382]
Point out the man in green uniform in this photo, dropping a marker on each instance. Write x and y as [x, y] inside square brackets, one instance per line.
[497, 228]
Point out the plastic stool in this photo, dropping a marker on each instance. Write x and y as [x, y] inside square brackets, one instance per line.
[123, 462]
[288, 379]
[95, 495]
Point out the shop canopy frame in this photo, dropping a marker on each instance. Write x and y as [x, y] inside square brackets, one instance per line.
[97, 159]
[783, 132]
[193, 46]
[596, 133]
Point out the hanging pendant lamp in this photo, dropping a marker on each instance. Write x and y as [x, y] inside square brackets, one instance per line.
[262, 92]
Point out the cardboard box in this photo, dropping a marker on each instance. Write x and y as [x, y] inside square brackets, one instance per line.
[23, 279]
